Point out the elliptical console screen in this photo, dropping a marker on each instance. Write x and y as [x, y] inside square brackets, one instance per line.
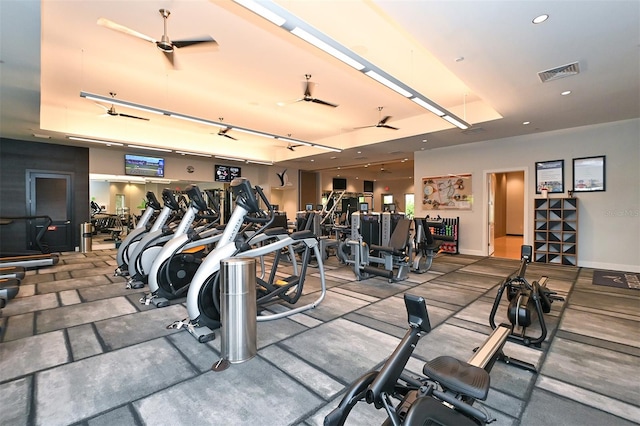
[142, 165]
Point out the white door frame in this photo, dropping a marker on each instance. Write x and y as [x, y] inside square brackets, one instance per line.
[485, 203]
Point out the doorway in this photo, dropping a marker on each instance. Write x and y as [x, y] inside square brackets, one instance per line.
[506, 206]
[50, 194]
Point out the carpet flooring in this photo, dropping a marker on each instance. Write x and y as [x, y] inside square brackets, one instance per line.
[78, 348]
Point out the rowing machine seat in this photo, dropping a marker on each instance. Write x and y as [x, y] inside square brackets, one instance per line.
[458, 376]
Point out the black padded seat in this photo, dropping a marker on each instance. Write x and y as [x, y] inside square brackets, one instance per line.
[458, 376]
[275, 231]
[399, 239]
[301, 235]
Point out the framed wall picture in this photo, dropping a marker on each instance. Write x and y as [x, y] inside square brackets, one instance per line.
[451, 192]
[550, 176]
[589, 174]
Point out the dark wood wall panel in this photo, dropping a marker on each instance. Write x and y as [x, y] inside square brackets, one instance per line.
[16, 157]
[308, 189]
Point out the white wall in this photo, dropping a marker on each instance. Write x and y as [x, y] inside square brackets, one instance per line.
[608, 222]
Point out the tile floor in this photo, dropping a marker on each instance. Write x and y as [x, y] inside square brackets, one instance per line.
[79, 348]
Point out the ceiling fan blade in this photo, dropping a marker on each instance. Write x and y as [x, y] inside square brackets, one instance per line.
[384, 120]
[364, 127]
[386, 126]
[187, 43]
[229, 136]
[171, 59]
[117, 27]
[321, 102]
[133, 116]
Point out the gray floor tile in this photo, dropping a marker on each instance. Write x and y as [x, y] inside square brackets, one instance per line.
[346, 350]
[19, 326]
[297, 368]
[599, 370]
[200, 355]
[84, 341]
[333, 306]
[473, 281]
[251, 393]
[546, 409]
[72, 283]
[69, 316]
[120, 416]
[31, 304]
[448, 294]
[606, 302]
[106, 291]
[15, 400]
[126, 330]
[604, 327]
[93, 385]
[44, 351]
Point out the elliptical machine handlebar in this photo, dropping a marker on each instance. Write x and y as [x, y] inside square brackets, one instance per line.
[246, 199]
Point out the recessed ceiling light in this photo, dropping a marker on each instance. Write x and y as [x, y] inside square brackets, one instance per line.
[333, 158]
[312, 160]
[424, 140]
[359, 152]
[526, 122]
[540, 19]
[566, 92]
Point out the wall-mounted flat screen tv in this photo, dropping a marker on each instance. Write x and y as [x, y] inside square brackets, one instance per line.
[339, 184]
[226, 173]
[368, 186]
[142, 165]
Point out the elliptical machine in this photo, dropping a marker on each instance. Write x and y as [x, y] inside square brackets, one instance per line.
[527, 302]
[176, 263]
[136, 234]
[203, 294]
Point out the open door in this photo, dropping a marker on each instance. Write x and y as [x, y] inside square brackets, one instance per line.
[51, 194]
[491, 191]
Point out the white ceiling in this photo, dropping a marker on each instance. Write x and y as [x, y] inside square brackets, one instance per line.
[47, 62]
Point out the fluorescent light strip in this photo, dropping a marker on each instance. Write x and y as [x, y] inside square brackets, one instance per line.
[262, 11]
[253, 132]
[126, 104]
[428, 106]
[197, 120]
[149, 148]
[455, 122]
[264, 163]
[311, 39]
[193, 153]
[328, 148]
[187, 118]
[221, 157]
[390, 84]
[76, 138]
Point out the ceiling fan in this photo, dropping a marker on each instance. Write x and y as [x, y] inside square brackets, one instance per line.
[383, 170]
[112, 110]
[381, 123]
[291, 147]
[164, 44]
[223, 132]
[308, 97]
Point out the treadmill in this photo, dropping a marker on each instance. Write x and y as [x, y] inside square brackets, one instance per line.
[30, 260]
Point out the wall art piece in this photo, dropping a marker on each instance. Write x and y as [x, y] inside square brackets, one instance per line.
[589, 174]
[550, 176]
[450, 192]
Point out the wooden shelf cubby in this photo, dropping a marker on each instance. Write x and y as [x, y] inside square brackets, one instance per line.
[556, 231]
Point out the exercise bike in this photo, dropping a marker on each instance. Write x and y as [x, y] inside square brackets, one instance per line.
[527, 302]
[446, 394]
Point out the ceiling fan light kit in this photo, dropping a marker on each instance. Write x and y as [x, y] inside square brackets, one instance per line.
[288, 21]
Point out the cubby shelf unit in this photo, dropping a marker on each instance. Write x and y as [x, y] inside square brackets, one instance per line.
[556, 231]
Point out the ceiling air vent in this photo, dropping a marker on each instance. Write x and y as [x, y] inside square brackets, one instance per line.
[559, 72]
